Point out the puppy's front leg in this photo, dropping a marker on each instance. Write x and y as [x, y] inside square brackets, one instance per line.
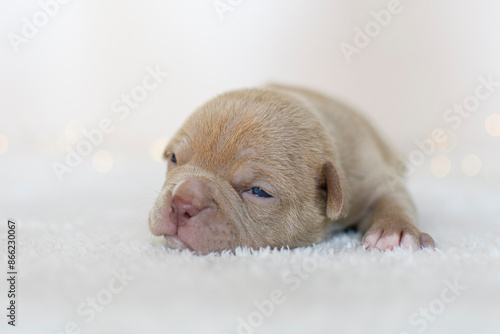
[391, 223]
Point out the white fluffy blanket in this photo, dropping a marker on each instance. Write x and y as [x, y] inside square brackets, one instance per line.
[87, 264]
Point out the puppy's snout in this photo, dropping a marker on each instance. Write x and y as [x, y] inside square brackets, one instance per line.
[189, 199]
[182, 210]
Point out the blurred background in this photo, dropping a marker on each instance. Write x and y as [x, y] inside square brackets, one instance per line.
[67, 66]
[90, 92]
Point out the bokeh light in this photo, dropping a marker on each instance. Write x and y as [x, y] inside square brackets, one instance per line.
[157, 148]
[471, 165]
[447, 145]
[440, 165]
[72, 134]
[493, 125]
[73, 131]
[103, 161]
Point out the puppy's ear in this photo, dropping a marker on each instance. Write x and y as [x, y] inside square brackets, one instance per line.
[336, 204]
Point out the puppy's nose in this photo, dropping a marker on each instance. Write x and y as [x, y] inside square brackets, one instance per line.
[183, 210]
[189, 198]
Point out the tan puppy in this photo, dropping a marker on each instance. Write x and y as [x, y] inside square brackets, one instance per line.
[280, 167]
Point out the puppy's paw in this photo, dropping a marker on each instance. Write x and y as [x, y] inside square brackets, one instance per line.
[388, 237]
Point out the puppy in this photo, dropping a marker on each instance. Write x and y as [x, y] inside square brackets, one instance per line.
[281, 167]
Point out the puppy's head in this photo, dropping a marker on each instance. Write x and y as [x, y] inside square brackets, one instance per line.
[249, 168]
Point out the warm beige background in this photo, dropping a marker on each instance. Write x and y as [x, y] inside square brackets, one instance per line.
[427, 59]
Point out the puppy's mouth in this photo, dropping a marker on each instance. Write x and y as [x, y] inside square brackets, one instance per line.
[173, 241]
[189, 216]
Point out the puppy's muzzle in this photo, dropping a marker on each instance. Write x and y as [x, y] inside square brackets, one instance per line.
[199, 212]
[189, 199]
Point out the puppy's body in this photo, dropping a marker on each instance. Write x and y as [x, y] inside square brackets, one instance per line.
[280, 167]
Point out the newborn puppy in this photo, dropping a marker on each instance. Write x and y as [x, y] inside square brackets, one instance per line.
[280, 167]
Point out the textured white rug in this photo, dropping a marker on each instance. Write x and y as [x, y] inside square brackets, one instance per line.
[87, 262]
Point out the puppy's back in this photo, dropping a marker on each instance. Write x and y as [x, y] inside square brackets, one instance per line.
[364, 156]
